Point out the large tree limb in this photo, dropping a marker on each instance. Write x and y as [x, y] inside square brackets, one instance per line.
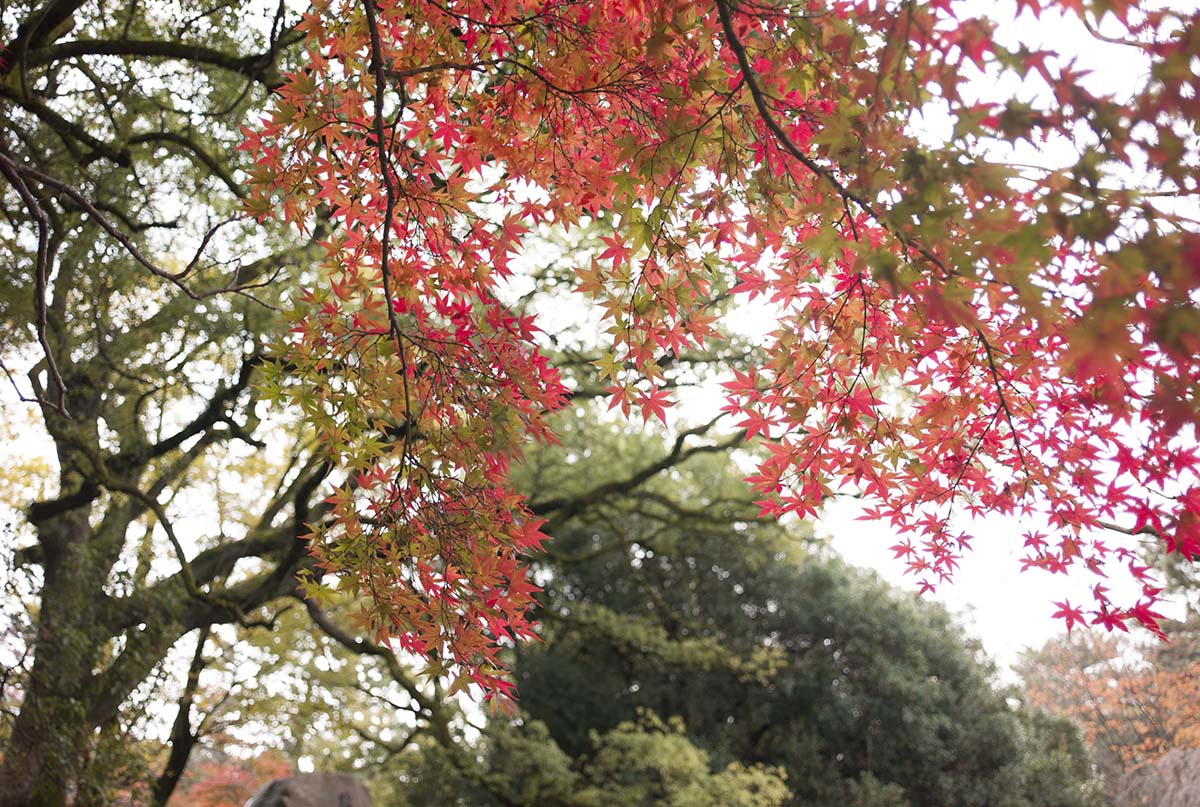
[38, 29]
[183, 739]
[284, 542]
[258, 67]
[216, 168]
[563, 508]
[214, 412]
[433, 709]
[69, 131]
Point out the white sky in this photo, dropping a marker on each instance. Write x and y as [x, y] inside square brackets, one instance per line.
[1007, 609]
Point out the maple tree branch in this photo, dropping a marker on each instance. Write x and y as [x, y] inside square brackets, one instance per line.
[764, 112]
[35, 31]
[391, 194]
[41, 274]
[1145, 529]
[1091, 28]
[516, 22]
[991, 362]
[434, 67]
[760, 102]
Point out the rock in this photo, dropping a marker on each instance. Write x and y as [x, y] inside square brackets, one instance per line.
[313, 790]
[1172, 780]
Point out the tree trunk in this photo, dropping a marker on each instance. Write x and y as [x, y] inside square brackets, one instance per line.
[50, 735]
[183, 738]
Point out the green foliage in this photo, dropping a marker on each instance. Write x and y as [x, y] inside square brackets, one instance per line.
[867, 791]
[693, 655]
[768, 655]
[646, 762]
[649, 762]
[1056, 771]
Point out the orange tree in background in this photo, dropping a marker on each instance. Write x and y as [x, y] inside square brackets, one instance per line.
[1133, 707]
[954, 335]
[229, 782]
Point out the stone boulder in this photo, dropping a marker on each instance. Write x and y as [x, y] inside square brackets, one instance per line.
[313, 790]
[1172, 780]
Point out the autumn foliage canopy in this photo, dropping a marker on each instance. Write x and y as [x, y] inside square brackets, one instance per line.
[955, 335]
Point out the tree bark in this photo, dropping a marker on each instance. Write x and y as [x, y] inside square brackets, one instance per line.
[51, 731]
